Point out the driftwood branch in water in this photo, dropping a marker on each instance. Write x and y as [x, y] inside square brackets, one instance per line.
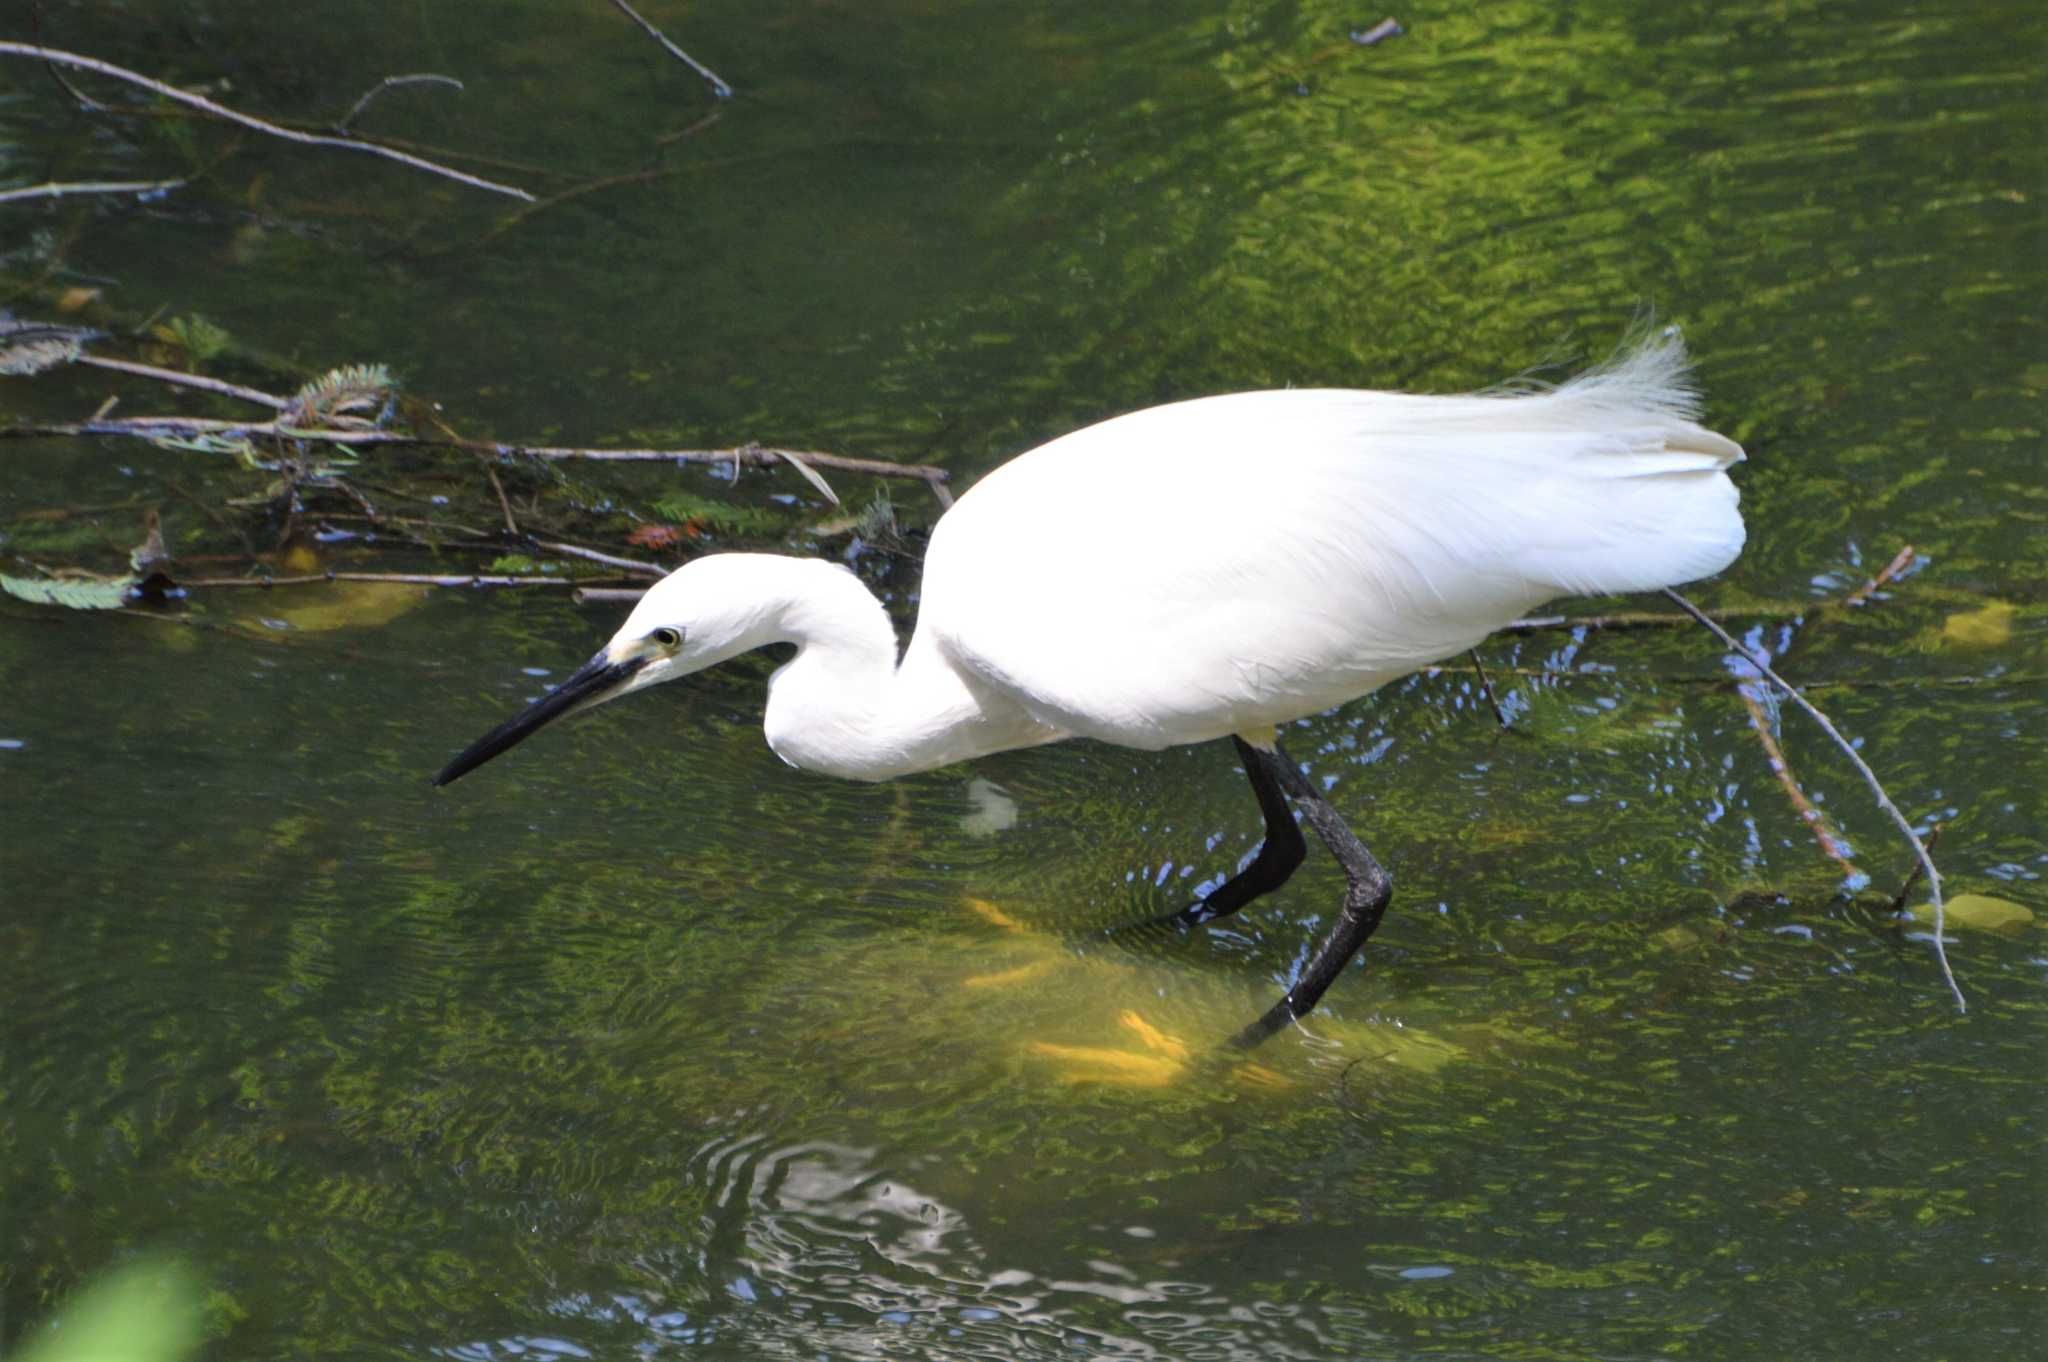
[83, 63]
[754, 456]
[1863, 768]
[402, 578]
[751, 455]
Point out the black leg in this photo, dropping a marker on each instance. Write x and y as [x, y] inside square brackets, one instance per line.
[1365, 898]
[1278, 855]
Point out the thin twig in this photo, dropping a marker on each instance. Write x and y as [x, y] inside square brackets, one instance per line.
[2003, 679]
[1869, 777]
[1486, 688]
[753, 455]
[382, 522]
[401, 578]
[1640, 619]
[1913, 873]
[185, 380]
[607, 595]
[79, 97]
[422, 78]
[759, 456]
[206, 509]
[609, 560]
[669, 139]
[355, 494]
[56, 189]
[1899, 563]
[504, 503]
[1836, 849]
[719, 88]
[577, 191]
[178, 96]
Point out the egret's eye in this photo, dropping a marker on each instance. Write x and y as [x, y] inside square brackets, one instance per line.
[668, 638]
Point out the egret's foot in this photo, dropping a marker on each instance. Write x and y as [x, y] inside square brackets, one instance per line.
[1159, 1059]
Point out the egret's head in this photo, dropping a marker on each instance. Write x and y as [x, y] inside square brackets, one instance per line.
[689, 620]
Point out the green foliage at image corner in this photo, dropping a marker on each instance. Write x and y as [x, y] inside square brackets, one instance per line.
[147, 1311]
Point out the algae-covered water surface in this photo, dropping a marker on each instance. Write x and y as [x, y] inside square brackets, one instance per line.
[640, 1043]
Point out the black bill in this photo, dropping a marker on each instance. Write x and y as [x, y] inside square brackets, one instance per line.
[592, 683]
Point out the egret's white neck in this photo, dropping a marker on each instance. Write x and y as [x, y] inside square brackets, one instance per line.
[844, 706]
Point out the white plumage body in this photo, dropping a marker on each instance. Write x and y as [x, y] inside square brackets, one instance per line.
[1226, 564]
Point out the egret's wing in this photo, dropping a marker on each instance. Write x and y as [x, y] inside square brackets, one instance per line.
[1217, 565]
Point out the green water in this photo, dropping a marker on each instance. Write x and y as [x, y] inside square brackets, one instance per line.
[637, 1043]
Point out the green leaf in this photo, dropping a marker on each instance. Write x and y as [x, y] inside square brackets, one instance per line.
[196, 336]
[717, 515]
[351, 388]
[1979, 912]
[91, 593]
[145, 1312]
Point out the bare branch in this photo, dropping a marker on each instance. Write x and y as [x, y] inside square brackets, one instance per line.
[1486, 688]
[403, 578]
[752, 455]
[756, 456]
[592, 555]
[369, 95]
[577, 191]
[185, 380]
[1900, 562]
[1643, 619]
[56, 189]
[1905, 885]
[504, 502]
[719, 88]
[669, 139]
[607, 595]
[171, 92]
[1870, 778]
[1830, 842]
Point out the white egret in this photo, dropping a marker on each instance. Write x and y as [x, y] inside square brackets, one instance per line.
[1209, 569]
